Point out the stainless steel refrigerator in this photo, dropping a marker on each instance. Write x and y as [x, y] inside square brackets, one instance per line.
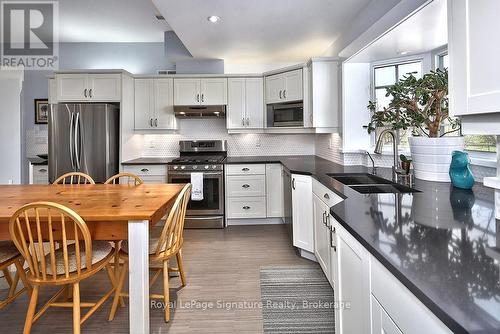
[83, 138]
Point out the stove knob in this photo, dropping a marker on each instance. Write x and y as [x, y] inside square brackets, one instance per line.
[207, 166]
[183, 167]
[176, 167]
[214, 167]
[195, 167]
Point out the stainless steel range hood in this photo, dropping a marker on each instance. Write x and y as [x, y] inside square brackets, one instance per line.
[200, 111]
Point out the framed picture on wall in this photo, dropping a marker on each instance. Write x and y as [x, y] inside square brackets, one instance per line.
[41, 111]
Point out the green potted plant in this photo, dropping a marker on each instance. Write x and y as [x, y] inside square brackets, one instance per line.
[421, 105]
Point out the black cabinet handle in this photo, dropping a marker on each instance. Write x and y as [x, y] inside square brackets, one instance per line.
[90, 92]
[293, 183]
[326, 196]
[245, 169]
[43, 170]
[85, 92]
[144, 170]
[246, 207]
[324, 222]
[246, 186]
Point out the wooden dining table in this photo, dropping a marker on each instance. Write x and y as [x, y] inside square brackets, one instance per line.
[112, 212]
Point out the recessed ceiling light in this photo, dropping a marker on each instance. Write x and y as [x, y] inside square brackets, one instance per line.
[403, 52]
[213, 19]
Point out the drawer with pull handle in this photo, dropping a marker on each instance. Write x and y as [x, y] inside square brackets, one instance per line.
[143, 170]
[326, 195]
[40, 174]
[246, 169]
[246, 207]
[246, 185]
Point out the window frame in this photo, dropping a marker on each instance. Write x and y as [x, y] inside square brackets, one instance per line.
[388, 63]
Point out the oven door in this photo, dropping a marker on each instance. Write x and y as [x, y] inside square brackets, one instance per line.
[213, 193]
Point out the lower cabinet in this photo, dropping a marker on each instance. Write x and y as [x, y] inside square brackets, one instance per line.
[302, 212]
[322, 235]
[353, 288]
[148, 173]
[381, 321]
[274, 191]
[38, 174]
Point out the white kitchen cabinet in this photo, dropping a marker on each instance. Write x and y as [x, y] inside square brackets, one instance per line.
[153, 106]
[164, 104]
[187, 92]
[245, 191]
[246, 207]
[302, 212]
[381, 321]
[321, 108]
[196, 91]
[245, 107]
[274, 191]
[284, 87]
[474, 70]
[38, 174]
[81, 87]
[246, 185]
[406, 311]
[353, 284]
[322, 235]
[148, 173]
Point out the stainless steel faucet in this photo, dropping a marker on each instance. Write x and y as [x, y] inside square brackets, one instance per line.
[395, 149]
[374, 169]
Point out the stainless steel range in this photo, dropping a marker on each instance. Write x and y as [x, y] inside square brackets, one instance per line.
[207, 157]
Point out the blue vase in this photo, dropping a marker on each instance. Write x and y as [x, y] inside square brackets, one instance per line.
[460, 173]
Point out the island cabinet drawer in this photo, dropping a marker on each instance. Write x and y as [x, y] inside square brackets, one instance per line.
[246, 207]
[246, 185]
[144, 170]
[329, 197]
[409, 314]
[245, 169]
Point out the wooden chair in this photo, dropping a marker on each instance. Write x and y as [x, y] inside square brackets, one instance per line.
[39, 222]
[164, 243]
[74, 178]
[130, 178]
[9, 255]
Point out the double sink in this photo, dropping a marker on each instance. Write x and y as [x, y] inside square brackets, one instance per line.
[365, 183]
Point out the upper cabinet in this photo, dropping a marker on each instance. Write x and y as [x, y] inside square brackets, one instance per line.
[195, 91]
[245, 105]
[284, 87]
[322, 101]
[88, 87]
[153, 104]
[473, 47]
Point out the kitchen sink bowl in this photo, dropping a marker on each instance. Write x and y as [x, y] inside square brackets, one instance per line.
[365, 183]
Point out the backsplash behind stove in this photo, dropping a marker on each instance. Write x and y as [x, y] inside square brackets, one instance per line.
[167, 145]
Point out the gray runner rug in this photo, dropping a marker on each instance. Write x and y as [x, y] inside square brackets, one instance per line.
[296, 299]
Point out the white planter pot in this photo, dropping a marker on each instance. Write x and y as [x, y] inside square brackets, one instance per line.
[432, 156]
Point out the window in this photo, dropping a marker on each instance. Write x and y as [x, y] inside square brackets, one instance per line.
[472, 143]
[386, 76]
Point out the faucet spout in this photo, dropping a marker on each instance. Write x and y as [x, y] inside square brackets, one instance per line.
[395, 149]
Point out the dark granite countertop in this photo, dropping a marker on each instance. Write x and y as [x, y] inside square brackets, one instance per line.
[443, 243]
[149, 161]
[38, 161]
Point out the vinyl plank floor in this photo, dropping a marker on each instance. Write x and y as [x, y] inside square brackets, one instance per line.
[222, 295]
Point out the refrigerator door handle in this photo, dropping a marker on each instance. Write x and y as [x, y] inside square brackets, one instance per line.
[71, 141]
[77, 141]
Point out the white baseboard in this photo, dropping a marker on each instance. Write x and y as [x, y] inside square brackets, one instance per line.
[252, 221]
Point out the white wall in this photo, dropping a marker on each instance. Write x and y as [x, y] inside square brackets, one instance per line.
[10, 126]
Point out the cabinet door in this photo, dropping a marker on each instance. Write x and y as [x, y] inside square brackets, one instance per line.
[353, 284]
[104, 87]
[71, 87]
[254, 102]
[302, 212]
[52, 91]
[143, 105]
[213, 91]
[235, 118]
[164, 104]
[274, 88]
[186, 92]
[293, 89]
[274, 191]
[473, 47]
[381, 322]
[321, 235]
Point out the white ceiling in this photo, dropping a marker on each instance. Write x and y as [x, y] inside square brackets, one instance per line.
[252, 31]
[424, 31]
[109, 21]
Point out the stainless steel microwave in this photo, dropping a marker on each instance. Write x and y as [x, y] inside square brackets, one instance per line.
[285, 114]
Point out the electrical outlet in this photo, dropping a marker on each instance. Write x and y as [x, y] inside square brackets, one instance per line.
[258, 143]
[152, 144]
